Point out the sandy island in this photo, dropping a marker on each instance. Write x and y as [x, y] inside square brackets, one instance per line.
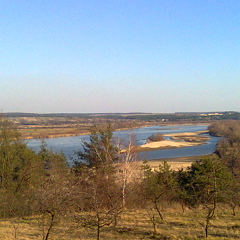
[178, 140]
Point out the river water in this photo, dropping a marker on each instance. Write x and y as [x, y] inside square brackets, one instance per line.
[69, 145]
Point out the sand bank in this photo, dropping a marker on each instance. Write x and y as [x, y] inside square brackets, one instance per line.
[186, 133]
[169, 144]
[178, 142]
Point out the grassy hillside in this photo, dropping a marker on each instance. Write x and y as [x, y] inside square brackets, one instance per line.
[132, 225]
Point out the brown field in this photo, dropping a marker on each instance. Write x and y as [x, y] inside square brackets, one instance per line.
[28, 133]
[43, 130]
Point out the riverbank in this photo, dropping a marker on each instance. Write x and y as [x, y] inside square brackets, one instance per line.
[175, 163]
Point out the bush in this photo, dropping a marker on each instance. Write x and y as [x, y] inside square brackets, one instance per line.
[156, 137]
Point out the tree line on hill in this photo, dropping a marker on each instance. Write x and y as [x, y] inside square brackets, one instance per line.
[172, 117]
[106, 180]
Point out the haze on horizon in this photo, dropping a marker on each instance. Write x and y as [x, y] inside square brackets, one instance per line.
[119, 56]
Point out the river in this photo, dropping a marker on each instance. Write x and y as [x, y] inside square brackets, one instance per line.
[69, 145]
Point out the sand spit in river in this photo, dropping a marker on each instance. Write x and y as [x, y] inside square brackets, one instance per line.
[178, 140]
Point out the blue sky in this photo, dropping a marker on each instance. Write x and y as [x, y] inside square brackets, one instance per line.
[119, 55]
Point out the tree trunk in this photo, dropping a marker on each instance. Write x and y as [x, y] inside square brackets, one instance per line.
[233, 210]
[206, 227]
[154, 225]
[98, 232]
[50, 226]
[98, 227]
[209, 217]
[159, 212]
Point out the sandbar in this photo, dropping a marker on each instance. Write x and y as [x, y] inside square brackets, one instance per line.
[172, 143]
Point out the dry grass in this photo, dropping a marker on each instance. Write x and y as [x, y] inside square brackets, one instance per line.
[133, 224]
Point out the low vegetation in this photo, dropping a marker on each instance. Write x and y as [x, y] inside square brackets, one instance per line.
[191, 138]
[105, 195]
[156, 138]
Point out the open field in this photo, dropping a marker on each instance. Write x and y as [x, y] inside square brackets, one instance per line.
[132, 225]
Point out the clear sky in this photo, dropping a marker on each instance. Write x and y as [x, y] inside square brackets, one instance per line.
[119, 55]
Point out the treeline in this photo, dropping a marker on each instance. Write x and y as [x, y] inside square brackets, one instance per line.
[172, 117]
[228, 149]
[186, 117]
[105, 182]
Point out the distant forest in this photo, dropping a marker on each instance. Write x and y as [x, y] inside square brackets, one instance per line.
[163, 117]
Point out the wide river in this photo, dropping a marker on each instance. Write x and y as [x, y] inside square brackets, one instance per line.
[69, 145]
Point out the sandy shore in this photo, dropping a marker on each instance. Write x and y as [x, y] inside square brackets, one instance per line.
[175, 163]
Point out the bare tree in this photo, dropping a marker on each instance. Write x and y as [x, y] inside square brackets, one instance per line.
[128, 167]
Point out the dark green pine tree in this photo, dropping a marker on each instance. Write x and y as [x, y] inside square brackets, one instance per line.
[100, 150]
[205, 183]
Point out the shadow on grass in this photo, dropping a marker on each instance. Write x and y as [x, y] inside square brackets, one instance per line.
[139, 233]
[225, 236]
[177, 224]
